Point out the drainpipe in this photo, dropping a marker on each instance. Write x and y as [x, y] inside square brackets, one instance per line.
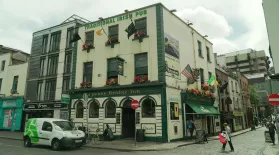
[194, 52]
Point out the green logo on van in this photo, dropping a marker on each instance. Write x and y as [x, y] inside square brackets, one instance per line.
[31, 130]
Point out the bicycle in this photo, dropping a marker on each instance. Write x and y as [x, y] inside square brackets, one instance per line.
[97, 138]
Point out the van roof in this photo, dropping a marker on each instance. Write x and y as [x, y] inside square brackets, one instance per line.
[50, 119]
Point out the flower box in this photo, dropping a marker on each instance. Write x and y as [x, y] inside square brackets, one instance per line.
[87, 47]
[86, 85]
[139, 35]
[112, 81]
[205, 87]
[110, 42]
[141, 79]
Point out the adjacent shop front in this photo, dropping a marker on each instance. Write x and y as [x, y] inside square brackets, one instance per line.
[111, 106]
[11, 113]
[199, 108]
[238, 120]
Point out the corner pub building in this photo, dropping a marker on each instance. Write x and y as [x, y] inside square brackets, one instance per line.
[145, 67]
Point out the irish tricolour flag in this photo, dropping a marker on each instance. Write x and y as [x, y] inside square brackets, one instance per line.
[211, 81]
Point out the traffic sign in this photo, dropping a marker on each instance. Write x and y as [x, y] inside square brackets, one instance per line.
[273, 99]
[135, 104]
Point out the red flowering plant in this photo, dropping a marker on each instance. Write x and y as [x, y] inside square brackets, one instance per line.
[205, 87]
[141, 79]
[139, 35]
[112, 81]
[87, 47]
[86, 85]
[111, 42]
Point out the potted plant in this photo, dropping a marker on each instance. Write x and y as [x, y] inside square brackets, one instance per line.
[87, 47]
[139, 35]
[111, 42]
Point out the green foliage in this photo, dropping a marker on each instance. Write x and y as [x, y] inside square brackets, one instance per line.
[255, 98]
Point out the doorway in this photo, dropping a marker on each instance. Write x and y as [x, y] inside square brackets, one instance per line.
[208, 125]
[128, 120]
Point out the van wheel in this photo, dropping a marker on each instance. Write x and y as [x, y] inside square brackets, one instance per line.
[55, 145]
[27, 142]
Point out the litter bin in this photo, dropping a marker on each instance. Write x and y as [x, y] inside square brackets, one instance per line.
[140, 135]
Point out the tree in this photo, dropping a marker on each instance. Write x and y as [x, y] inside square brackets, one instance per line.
[254, 95]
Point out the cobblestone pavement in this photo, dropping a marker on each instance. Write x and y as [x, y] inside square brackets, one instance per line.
[251, 143]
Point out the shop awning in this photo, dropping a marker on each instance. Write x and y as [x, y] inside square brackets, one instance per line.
[204, 109]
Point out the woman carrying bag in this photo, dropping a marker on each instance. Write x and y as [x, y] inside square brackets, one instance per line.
[227, 136]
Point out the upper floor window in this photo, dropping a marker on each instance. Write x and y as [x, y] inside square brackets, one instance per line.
[70, 34]
[232, 86]
[15, 84]
[236, 87]
[39, 90]
[208, 54]
[50, 90]
[87, 71]
[141, 25]
[3, 65]
[113, 32]
[89, 37]
[68, 62]
[42, 65]
[141, 64]
[1, 83]
[44, 45]
[66, 84]
[200, 48]
[52, 65]
[115, 67]
[201, 75]
[55, 42]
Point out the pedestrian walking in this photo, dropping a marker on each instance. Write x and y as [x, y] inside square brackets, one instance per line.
[271, 130]
[191, 127]
[227, 135]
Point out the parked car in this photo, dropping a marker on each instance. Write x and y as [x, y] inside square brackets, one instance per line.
[56, 133]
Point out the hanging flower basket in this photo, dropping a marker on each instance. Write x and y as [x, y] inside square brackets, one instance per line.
[110, 42]
[87, 47]
[86, 85]
[141, 79]
[112, 81]
[139, 35]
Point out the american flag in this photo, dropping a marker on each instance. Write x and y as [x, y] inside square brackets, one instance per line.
[187, 72]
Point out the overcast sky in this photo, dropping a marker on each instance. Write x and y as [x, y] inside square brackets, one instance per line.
[230, 24]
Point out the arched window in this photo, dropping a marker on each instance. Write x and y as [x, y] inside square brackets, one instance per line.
[79, 110]
[110, 109]
[148, 108]
[94, 109]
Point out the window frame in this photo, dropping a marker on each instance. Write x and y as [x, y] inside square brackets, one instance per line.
[46, 122]
[202, 75]
[142, 29]
[90, 74]
[208, 54]
[55, 41]
[42, 66]
[106, 110]
[68, 62]
[15, 83]
[3, 63]
[77, 113]
[98, 106]
[66, 84]
[136, 72]
[1, 81]
[50, 90]
[86, 39]
[200, 48]
[142, 108]
[114, 73]
[70, 35]
[52, 65]
[39, 92]
[44, 43]
[111, 36]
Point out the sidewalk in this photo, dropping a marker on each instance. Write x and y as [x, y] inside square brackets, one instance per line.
[128, 144]
[272, 149]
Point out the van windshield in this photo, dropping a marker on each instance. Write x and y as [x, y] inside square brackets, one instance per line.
[64, 125]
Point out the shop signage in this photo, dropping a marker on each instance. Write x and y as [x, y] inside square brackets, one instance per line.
[150, 128]
[65, 98]
[9, 103]
[135, 104]
[45, 106]
[273, 99]
[204, 110]
[116, 19]
[236, 113]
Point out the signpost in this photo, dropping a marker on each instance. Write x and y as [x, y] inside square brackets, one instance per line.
[135, 105]
[274, 100]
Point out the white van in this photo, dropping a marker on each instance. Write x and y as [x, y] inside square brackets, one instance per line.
[52, 132]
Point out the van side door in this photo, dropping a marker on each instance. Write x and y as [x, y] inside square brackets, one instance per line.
[45, 133]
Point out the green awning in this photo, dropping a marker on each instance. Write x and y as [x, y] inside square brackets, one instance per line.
[204, 109]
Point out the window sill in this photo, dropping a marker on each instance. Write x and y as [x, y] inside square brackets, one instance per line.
[140, 39]
[209, 61]
[69, 49]
[88, 50]
[148, 117]
[201, 56]
[112, 44]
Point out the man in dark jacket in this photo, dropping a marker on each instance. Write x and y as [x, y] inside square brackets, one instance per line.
[272, 130]
[191, 127]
